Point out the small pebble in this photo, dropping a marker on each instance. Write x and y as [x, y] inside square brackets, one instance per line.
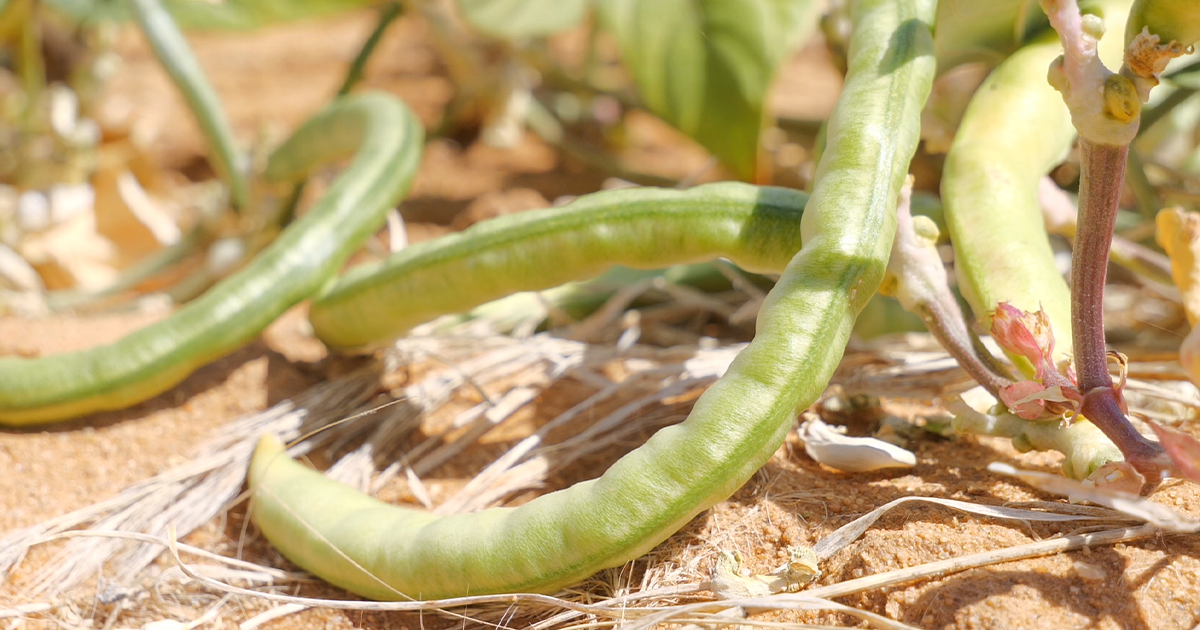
[1089, 571]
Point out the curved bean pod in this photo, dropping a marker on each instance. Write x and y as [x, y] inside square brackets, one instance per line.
[645, 228]
[1014, 130]
[989, 189]
[304, 257]
[388, 552]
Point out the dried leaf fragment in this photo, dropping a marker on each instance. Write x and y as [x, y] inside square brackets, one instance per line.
[1182, 448]
[729, 581]
[1178, 232]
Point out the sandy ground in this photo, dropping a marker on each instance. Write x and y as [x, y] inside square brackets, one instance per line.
[276, 78]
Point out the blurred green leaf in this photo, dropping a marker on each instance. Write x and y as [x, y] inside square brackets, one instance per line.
[990, 30]
[705, 65]
[204, 15]
[516, 19]
[971, 30]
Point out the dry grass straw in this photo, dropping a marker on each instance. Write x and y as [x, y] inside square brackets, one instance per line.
[648, 607]
[182, 498]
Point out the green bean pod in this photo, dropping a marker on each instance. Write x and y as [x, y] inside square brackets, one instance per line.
[1014, 130]
[386, 140]
[989, 189]
[389, 552]
[644, 228]
[1172, 20]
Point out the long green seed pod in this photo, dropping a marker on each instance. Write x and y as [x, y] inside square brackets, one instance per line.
[989, 189]
[388, 552]
[306, 255]
[644, 228]
[1014, 130]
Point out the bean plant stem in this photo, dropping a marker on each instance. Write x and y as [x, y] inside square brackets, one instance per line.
[1103, 170]
[32, 66]
[916, 277]
[950, 329]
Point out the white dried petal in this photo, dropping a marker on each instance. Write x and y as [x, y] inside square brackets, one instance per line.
[851, 454]
[225, 255]
[146, 211]
[979, 399]
[87, 133]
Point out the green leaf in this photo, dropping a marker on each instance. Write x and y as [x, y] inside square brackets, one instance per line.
[204, 15]
[990, 30]
[518, 19]
[705, 65]
[971, 30]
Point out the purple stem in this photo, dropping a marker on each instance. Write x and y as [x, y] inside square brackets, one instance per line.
[945, 320]
[1103, 171]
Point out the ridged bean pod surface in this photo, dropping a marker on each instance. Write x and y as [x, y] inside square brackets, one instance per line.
[389, 552]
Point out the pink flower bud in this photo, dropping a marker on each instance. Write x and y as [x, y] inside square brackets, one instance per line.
[1025, 334]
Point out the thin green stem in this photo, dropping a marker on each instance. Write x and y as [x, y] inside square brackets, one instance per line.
[143, 270]
[543, 122]
[1151, 115]
[917, 278]
[387, 15]
[1150, 266]
[33, 71]
[177, 59]
[354, 75]
[1085, 447]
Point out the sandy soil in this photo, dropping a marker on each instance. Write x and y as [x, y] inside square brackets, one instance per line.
[276, 78]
